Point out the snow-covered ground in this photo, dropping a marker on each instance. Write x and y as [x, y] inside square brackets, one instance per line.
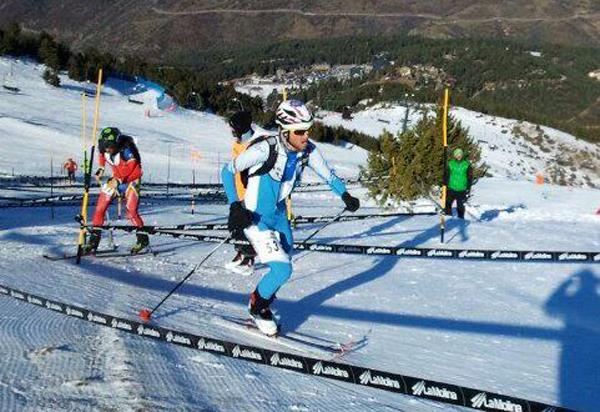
[528, 330]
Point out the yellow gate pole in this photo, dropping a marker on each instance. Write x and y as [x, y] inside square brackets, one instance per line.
[88, 172]
[445, 166]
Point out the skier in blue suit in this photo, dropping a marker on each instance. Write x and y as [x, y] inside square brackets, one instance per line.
[271, 165]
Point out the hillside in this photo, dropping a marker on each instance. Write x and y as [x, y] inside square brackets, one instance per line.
[151, 29]
[552, 85]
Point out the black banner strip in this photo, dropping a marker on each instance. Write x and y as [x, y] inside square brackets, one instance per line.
[67, 200]
[411, 252]
[353, 217]
[40, 182]
[392, 382]
[223, 226]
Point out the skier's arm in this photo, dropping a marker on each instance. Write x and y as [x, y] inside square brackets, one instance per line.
[101, 159]
[317, 163]
[253, 156]
[469, 178]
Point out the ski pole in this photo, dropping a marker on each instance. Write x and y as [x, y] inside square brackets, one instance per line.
[333, 220]
[145, 314]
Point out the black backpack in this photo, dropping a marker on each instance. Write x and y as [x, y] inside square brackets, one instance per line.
[271, 159]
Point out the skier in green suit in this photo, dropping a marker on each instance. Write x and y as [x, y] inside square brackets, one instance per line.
[459, 180]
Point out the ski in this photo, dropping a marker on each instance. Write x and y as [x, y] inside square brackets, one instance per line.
[102, 254]
[128, 254]
[308, 344]
[66, 256]
[257, 267]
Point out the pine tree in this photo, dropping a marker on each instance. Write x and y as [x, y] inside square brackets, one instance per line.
[76, 67]
[10, 39]
[48, 52]
[51, 77]
[409, 165]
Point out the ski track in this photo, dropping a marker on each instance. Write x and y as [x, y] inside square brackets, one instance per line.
[321, 292]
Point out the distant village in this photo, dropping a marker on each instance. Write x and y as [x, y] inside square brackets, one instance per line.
[415, 76]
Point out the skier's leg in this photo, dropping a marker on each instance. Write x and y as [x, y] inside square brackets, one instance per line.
[131, 203]
[240, 257]
[281, 268]
[450, 198]
[460, 204]
[272, 253]
[247, 250]
[270, 250]
[131, 211]
[284, 228]
[448, 205]
[104, 198]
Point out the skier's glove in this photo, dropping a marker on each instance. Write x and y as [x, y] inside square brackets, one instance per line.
[239, 218]
[110, 187]
[352, 203]
[112, 183]
[100, 172]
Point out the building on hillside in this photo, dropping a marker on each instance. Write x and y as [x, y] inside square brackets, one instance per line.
[595, 74]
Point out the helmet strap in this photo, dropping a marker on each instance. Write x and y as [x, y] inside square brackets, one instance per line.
[284, 136]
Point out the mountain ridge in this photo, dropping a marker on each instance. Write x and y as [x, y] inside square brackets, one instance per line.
[168, 31]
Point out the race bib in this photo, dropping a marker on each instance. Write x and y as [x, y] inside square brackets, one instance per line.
[267, 245]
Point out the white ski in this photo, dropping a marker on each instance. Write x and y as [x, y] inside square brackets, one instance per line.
[309, 345]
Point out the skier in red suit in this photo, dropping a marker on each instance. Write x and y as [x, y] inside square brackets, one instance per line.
[121, 153]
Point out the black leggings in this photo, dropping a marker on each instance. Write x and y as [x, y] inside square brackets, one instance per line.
[460, 197]
[245, 250]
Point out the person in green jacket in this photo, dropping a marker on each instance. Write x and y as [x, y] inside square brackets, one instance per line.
[459, 178]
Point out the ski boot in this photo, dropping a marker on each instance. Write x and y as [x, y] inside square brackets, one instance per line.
[92, 243]
[142, 242]
[261, 314]
[241, 264]
[245, 267]
[237, 260]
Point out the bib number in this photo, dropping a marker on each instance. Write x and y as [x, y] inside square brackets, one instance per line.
[267, 245]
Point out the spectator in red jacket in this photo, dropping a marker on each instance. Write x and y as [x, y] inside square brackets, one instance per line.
[70, 166]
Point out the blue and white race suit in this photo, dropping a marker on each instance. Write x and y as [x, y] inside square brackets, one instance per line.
[271, 234]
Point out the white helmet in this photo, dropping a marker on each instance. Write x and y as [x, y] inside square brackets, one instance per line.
[293, 115]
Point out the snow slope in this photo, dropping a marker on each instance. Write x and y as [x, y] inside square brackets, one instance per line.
[44, 122]
[522, 329]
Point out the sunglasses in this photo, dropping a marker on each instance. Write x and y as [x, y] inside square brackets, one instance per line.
[301, 132]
